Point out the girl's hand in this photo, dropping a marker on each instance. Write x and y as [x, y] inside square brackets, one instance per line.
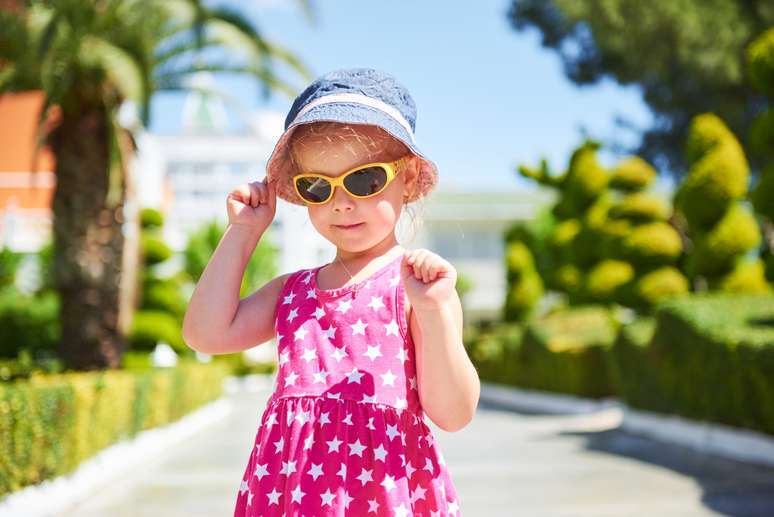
[429, 280]
[252, 204]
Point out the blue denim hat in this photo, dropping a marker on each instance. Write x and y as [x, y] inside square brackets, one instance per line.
[351, 96]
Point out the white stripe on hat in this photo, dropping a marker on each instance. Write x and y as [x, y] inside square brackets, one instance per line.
[359, 99]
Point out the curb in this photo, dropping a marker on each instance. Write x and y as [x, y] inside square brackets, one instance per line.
[708, 438]
[54, 496]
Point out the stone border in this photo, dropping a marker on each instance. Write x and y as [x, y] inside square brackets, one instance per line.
[53, 496]
[710, 438]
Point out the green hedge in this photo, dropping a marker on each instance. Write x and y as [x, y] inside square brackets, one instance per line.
[707, 357]
[49, 424]
[711, 358]
[562, 352]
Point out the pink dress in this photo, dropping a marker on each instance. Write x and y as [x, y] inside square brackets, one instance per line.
[343, 432]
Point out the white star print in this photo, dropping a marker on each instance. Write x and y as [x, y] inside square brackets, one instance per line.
[311, 294]
[274, 497]
[373, 352]
[394, 280]
[327, 497]
[329, 332]
[320, 377]
[288, 467]
[413, 382]
[348, 419]
[271, 420]
[376, 302]
[370, 424]
[373, 506]
[364, 476]
[454, 507]
[356, 448]
[380, 453]
[342, 472]
[243, 487]
[300, 333]
[367, 399]
[359, 328]
[324, 418]
[279, 336]
[308, 277]
[260, 471]
[333, 445]
[409, 470]
[284, 357]
[278, 444]
[419, 493]
[401, 355]
[297, 494]
[290, 379]
[303, 417]
[354, 376]
[309, 354]
[388, 379]
[319, 313]
[292, 314]
[347, 499]
[392, 431]
[315, 471]
[344, 306]
[400, 403]
[338, 354]
[392, 328]
[428, 466]
[289, 299]
[388, 483]
[250, 498]
[401, 511]
[308, 442]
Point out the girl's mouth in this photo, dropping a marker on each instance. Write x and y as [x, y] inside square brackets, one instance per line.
[348, 227]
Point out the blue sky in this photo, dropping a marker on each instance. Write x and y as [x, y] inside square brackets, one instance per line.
[488, 98]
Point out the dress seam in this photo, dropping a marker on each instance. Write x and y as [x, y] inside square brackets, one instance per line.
[315, 396]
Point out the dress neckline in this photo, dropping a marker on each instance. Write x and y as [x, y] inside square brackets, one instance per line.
[350, 287]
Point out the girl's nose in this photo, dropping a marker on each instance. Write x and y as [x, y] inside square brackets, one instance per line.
[341, 201]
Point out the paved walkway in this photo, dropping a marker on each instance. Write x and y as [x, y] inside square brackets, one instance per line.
[503, 463]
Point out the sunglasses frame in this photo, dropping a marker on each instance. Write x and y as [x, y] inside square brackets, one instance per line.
[392, 169]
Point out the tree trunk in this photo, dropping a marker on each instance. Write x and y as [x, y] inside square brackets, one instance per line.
[88, 242]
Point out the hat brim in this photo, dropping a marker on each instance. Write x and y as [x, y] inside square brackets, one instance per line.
[279, 168]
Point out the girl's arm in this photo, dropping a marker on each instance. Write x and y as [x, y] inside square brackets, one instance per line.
[216, 320]
[447, 380]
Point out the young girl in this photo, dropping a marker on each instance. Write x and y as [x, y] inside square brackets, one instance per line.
[368, 343]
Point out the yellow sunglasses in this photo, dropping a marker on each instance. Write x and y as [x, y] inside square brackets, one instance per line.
[362, 182]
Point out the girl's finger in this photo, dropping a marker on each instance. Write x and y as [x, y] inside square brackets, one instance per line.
[419, 264]
[241, 193]
[254, 196]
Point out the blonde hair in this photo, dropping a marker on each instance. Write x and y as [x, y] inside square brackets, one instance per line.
[378, 144]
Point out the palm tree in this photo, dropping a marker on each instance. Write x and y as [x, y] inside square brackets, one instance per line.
[88, 57]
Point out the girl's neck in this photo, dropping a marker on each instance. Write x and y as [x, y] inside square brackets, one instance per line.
[357, 260]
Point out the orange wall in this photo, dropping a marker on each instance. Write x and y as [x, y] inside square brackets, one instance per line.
[19, 113]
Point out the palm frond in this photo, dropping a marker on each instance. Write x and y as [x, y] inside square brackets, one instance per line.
[122, 68]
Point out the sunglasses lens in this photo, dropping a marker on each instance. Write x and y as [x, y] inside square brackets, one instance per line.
[314, 190]
[367, 181]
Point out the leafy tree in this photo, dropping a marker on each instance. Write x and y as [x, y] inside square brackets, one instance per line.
[88, 57]
[687, 56]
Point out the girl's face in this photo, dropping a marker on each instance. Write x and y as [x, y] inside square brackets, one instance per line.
[333, 152]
